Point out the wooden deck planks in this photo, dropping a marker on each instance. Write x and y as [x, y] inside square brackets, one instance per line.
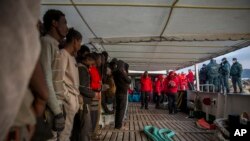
[184, 128]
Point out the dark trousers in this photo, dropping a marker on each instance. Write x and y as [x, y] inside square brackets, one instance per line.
[144, 99]
[202, 82]
[106, 100]
[236, 81]
[94, 113]
[82, 128]
[86, 129]
[215, 81]
[191, 85]
[121, 101]
[158, 100]
[172, 102]
[155, 97]
[224, 83]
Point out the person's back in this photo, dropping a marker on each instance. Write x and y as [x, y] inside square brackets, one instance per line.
[212, 69]
[122, 82]
[121, 79]
[213, 74]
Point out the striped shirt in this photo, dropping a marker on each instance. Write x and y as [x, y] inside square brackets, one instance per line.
[49, 52]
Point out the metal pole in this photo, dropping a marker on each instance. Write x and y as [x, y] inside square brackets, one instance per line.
[197, 77]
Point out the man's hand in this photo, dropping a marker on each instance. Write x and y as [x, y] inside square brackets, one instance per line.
[59, 122]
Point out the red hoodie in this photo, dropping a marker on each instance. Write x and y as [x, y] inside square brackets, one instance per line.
[183, 82]
[146, 84]
[164, 89]
[159, 85]
[95, 79]
[172, 83]
[190, 77]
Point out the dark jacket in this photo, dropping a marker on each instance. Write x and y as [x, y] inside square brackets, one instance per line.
[203, 74]
[121, 78]
[84, 87]
[224, 68]
[236, 69]
[213, 69]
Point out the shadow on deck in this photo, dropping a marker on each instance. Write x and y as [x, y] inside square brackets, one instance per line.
[184, 128]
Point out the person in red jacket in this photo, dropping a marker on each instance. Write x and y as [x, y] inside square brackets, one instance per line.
[146, 89]
[172, 83]
[95, 85]
[183, 81]
[190, 78]
[158, 90]
[95, 82]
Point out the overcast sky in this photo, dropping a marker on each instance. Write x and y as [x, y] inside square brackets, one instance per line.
[243, 56]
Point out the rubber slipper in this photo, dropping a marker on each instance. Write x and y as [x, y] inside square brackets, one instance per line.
[166, 134]
[152, 133]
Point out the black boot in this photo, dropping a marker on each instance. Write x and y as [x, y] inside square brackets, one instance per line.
[241, 91]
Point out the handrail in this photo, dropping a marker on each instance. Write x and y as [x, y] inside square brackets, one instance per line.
[207, 87]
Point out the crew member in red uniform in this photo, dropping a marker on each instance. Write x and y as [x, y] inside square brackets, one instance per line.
[183, 81]
[172, 87]
[190, 78]
[146, 89]
[158, 90]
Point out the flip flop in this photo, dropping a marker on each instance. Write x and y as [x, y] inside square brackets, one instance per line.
[166, 134]
[152, 133]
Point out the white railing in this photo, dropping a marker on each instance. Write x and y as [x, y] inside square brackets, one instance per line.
[207, 87]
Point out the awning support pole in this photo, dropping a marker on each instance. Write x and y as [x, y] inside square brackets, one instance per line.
[197, 77]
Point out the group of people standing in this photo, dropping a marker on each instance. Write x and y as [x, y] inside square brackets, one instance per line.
[73, 84]
[168, 86]
[214, 74]
[218, 75]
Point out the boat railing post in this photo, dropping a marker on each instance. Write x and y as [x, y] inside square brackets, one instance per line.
[197, 77]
